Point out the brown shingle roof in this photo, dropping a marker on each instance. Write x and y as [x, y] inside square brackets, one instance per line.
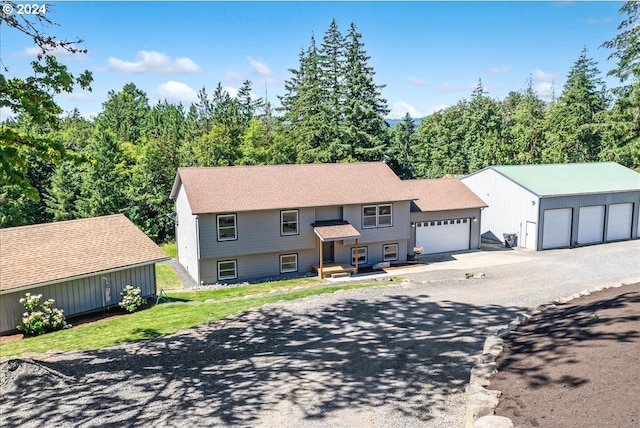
[251, 188]
[335, 232]
[51, 252]
[442, 194]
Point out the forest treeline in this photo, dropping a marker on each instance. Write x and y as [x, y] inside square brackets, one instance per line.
[125, 159]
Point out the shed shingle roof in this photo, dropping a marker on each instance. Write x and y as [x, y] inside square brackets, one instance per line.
[442, 194]
[572, 179]
[52, 252]
[252, 188]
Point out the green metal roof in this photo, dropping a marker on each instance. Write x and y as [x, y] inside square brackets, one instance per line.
[572, 179]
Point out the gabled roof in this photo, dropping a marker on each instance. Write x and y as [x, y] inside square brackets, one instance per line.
[573, 178]
[442, 194]
[252, 188]
[53, 252]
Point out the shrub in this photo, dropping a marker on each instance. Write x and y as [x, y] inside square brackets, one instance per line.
[131, 299]
[40, 318]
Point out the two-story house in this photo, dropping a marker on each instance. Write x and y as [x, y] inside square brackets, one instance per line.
[235, 223]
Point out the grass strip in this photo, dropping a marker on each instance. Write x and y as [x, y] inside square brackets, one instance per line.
[243, 290]
[166, 278]
[157, 321]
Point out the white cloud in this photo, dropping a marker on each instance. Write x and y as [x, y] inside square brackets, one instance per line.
[400, 108]
[233, 92]
[261, 68]
[177, 92]
[499, 70]
[545, 89]
[416, 81]
[542, 76]
[34, 51]
[450, 87]
[435, 108]
[594, 21]
[153, 62]
[6, 113]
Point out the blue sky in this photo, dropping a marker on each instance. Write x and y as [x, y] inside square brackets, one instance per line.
[428, 54]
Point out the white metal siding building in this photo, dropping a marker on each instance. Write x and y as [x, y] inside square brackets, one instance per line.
[559, 205]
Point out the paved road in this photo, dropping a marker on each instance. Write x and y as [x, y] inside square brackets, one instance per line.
[396, 356]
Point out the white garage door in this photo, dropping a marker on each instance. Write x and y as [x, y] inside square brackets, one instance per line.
[443, 235]
[591, 224]
[557, 228]
[619, 222]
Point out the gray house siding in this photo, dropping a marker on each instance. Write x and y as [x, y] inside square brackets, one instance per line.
[328, 213]
[80, 295]
[577, 201]
[474, 238]
[186, 235]
[374, 251]
[398, 231]
[258, 232]
[510, 206]
[257, 265]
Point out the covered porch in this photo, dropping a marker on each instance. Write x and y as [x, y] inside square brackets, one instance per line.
[329, 232]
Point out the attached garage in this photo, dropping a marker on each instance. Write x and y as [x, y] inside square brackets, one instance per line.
[443, 235]
[557, 228]
[445, 217]
[591, 224]
[558, 205]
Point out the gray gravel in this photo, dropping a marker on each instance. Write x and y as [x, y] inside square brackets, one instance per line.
[393, 356]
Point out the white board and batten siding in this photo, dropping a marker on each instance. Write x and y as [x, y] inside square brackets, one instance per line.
[510, 206]
[81, 295]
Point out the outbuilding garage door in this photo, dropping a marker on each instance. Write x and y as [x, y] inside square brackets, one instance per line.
[591, 224]
[619, 222]
[557, 228]
[443, 235]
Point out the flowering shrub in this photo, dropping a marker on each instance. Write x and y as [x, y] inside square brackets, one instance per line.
[40, 318]
[131, 299]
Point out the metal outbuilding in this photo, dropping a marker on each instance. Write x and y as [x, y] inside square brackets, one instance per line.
[558, 205]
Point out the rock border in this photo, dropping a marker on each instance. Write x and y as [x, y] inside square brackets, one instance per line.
[482, 402]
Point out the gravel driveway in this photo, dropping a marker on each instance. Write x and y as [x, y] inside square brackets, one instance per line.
[394, 356]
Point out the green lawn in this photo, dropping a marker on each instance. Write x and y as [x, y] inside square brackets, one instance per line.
[171, 249]
[166, 278]
[162, 319]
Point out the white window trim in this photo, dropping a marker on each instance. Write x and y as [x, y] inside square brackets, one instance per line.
[235, 270]
[390, 259]
[377, 216]
[235, 227]
[289, 270]
[282, 233]
[353, 257]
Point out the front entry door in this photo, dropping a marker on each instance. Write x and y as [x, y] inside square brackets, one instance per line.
[327, 252]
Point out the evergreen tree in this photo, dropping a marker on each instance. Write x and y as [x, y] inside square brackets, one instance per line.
[366, 131]
[124, 113]
[571, 135]
[400, 154]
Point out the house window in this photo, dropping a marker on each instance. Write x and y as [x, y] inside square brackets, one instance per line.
[288, 263]
[227, 227]
[362, 255]
[377, 216]
[289, 222]
[390, 252]
[227, 269]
